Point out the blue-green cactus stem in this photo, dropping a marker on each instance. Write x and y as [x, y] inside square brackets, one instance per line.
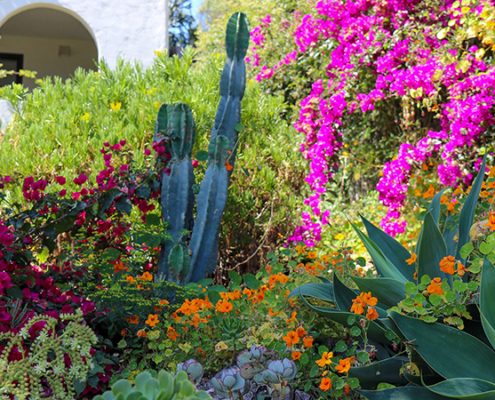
[177, 197]
[211, 203]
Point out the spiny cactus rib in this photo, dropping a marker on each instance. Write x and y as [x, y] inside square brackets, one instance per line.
[176, 123]
[233, 80]
[214, 188]
[177, 197]
[211, 202]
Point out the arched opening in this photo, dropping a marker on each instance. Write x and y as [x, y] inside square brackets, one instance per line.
[47, 40]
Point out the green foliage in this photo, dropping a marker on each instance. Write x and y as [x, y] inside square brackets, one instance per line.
[155, 386]
[53, 360]
[60, 126]
[441, 289]
[183, 26]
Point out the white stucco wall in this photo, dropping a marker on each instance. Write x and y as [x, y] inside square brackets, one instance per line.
[131, 29]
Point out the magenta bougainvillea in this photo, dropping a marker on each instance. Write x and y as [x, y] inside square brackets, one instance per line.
[437, 55]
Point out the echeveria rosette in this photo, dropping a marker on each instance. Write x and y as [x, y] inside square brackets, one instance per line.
[228, 383]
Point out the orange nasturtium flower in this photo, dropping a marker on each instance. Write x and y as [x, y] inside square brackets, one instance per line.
[308, 341]
[344, 365]
[224, 306]
[141, 333]
[164, 302]
[130, 279]
[172, 333]
[326, 359]
[134, 320]
[429, 193]
[411, 260]
[326, 384]
[363, 300]
[357, 306]
[435, 286]
[372, 314]
[119, 266]
[447, 265]
[491, 220]
[152, 320]
[461, 269]
[296, 355]
[301, 331]
[146, 276]
[291, 338]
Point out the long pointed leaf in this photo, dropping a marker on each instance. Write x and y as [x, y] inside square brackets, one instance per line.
[469, 207]
[388, 291]
[387, 370]
[343, 295]
[383, 265]
[449, 352]
[401, 393]
[465, 388]
[487, 301]
[320, 291]
[434, 207]
[431, 249]
[391, 248]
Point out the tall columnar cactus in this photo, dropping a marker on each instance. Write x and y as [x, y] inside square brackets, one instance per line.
[192, 250]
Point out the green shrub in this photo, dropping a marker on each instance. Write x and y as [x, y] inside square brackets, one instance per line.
[61, 126]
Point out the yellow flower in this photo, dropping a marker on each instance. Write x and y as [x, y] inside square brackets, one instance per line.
[116, 106]
[152, 320]
[221, 346]
[326, 359]
[339, 236]
[86, 117]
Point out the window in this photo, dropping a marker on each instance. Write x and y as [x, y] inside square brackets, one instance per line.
[11, 62]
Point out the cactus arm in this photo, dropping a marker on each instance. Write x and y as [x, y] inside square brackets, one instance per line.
[177, 197]
[233, 80]
[211, 203]
[214, 188]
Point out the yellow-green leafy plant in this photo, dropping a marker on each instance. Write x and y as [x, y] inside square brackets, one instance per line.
[46, 357]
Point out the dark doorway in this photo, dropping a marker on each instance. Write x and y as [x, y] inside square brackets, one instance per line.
[11, 62]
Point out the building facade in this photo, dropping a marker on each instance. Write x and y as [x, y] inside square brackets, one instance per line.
[54, 37]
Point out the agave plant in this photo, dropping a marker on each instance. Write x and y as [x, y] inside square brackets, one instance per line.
[464, 362]
[438, 346]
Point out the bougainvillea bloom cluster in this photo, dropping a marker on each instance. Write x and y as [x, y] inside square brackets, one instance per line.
[434, 57]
